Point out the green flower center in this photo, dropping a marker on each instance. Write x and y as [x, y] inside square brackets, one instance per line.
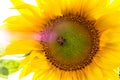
[71, 42]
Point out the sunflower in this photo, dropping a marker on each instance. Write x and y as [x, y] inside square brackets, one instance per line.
[67, 39]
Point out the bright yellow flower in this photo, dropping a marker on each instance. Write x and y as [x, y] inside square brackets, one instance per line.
[67, 39]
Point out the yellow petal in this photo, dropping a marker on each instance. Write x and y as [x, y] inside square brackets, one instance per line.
[72, 75]
[50, 8]
[96, 8]
[32, 62]
[22, 47]
[93, 72]
[28, 67]
[111, 75]
[25, 29]
[107, 59]
[108, 21]
[31, 13]
[20, 24]
[81, 75]
[115, 4]
[34, 56]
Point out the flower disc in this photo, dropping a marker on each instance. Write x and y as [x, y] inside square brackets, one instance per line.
[69, 40]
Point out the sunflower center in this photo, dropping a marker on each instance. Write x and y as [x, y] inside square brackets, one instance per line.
[60, 40]
[70, 42]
